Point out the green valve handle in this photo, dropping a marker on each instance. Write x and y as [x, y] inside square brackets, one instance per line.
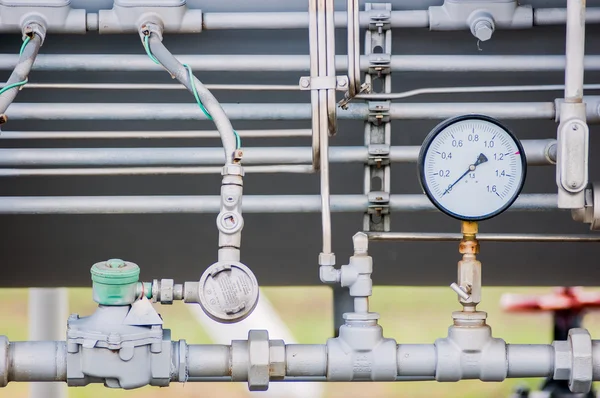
[115, 282]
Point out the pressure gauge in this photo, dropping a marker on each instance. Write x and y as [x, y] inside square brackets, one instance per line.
[472, 167]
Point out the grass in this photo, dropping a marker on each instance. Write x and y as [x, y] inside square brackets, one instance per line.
[408, 314]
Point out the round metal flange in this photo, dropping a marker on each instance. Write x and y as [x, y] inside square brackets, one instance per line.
[228, 292]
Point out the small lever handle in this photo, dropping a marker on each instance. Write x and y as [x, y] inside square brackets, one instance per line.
[460, 291]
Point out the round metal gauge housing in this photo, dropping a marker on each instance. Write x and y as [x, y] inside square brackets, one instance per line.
[472, 167]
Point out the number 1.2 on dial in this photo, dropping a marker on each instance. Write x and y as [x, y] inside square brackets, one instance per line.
[471, 167]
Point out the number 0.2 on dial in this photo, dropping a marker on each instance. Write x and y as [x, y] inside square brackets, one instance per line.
[472, 167]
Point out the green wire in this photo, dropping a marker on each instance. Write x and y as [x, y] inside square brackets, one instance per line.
[27, 39]
[24, 82]
[238, 141]
[17, 84]
[147, 47]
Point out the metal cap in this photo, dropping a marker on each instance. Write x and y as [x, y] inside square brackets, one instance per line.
[115, 272]
[228, 292]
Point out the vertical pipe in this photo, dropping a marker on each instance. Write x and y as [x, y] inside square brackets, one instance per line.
[323, 128]
[314, 72]
[575, 51]
[330, 70]
[48, 312]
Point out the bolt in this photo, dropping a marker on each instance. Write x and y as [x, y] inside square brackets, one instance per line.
[342, 82]
[483, 30]
[304, 82]
[115, 263]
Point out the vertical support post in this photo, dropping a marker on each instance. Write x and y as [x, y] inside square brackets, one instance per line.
[378, 47]
[48, 312]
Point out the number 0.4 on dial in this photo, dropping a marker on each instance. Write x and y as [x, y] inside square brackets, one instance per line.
[472, 167]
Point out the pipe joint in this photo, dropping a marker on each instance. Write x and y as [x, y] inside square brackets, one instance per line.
[470, 352]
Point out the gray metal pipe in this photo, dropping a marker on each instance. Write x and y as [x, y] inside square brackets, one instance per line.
[300, 20]
[206, 360]
[213, 107]
[128, 171]
[69, 135]
[535, 150]
[301, 63]
[158, 204]
[303, 360]
[37, 361]
[529, 360]
[575, 51]
[451, 237]
[21, 71]
[355, 111]
[558, 16]
[416, 359]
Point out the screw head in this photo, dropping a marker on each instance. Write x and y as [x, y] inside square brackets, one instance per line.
[304, 82]
[342, 82]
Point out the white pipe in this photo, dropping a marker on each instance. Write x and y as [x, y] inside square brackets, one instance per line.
[575, 51]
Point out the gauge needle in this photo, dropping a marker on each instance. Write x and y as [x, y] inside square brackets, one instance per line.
[480, 159]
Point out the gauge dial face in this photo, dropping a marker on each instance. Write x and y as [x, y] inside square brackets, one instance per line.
[471, 167]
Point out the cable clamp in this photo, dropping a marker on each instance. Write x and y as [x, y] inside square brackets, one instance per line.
[323, 83]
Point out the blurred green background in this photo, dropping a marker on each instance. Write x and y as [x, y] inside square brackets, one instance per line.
[408, 314]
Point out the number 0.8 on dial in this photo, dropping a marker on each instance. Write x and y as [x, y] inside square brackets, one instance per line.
[471, 167]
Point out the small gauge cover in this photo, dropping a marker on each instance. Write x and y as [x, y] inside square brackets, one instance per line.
[472, 167]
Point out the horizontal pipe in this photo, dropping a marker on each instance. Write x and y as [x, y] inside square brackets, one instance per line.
[155, 86]
[301, 63]
[37, 361]
[416, 359]
[129, 171]
[558, 16]
[529, 360]
[299, 20]
[535, 151]
[274, 111]
[451, 237]
[476, 89]
[68, 135]
[208, 360]
[210, 204]
[306, 360]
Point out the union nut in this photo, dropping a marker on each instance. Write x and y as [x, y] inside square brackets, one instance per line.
[259, 361]
[277, 359]
[573, 360]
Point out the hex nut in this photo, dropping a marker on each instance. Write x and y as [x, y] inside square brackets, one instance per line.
[166, 291]
[562, 360]
[258, 352]
[277, 359]
[580, 342]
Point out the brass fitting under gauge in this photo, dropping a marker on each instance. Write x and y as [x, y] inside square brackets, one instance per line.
[472, 167]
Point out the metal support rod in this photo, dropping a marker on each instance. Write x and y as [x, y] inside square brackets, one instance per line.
[301, 63]
[274, 111]
[479, 89]
[558, 16]
[452, 237]
[48, 309]
[210, 204]
[538, 152]
[158, 86]
[69, 135]
[123, 171]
